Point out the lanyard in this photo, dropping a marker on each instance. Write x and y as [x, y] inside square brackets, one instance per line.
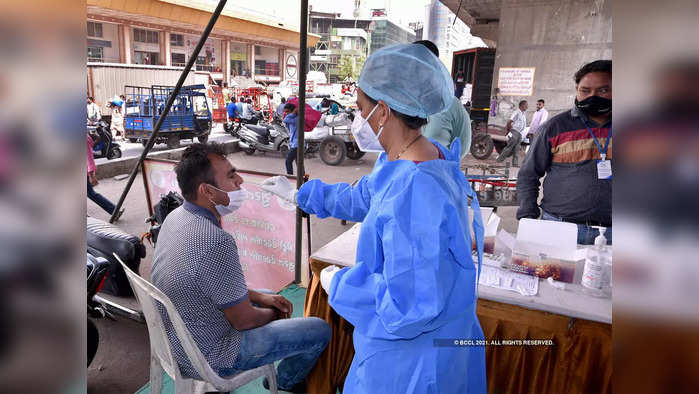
[603, 153]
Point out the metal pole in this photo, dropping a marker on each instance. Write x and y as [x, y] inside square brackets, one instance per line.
[303, 60]
[171, 99]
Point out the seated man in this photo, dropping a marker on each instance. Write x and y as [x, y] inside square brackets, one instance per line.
[232, 110]
[196, 265]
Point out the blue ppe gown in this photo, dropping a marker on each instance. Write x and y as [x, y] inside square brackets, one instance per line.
[414, 280]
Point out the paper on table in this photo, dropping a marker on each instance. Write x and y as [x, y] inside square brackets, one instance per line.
[508, 280]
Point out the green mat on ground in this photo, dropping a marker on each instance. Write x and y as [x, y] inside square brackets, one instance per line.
[293, 293]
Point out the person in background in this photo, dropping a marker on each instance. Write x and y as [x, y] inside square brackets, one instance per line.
[414, 281]
[240, 105]
[493, 111]
[540, 117]
[574, 153]
[116, 126]
[247, 109]
[97, 198]
[226, 92]
[93, 111]
[280, 107]
[515, 128]
[232, 110]
[196, 264]
[460, 83]
[451, 124]
[291, 122]
[123, 104]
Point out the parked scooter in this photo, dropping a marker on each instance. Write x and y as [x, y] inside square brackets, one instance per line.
[104, 144]
[234, 126]
[264, 137]
[105, 274]
[96, 275]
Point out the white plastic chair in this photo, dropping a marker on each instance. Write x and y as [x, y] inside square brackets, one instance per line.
[161, 357]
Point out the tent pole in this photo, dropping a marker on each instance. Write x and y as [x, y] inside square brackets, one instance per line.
[303, 60]
[166, 110]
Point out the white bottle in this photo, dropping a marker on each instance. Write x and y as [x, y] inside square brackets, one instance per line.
[597, 270]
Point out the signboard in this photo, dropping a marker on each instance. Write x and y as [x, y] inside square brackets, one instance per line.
[264, 227]
[516, 81]
[267, 78]
[291, 66]
[91, 42]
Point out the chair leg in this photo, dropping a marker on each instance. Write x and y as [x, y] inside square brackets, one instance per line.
[156, 376]
[272, 378]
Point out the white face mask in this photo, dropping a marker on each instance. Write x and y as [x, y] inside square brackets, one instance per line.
[236, 198]
[363, 133]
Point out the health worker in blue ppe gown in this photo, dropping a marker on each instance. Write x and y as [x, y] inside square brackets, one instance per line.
[413, 288]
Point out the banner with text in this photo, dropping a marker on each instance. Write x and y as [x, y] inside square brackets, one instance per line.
[264, 226]
[516, 81]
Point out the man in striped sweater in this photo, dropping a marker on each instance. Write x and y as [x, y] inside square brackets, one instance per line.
[574, 151]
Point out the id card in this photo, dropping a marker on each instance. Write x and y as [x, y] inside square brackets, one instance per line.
[604, 169]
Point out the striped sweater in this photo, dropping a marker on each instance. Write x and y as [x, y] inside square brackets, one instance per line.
[566, 154]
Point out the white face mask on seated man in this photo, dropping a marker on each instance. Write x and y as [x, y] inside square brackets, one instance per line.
[235, 201]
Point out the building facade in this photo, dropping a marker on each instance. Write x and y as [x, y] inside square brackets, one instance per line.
[449, 35]
[350, 40]
[146, 33]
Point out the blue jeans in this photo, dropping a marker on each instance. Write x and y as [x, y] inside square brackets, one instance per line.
[586, 234]
[297, 342]
[290, 158]
[99, 199]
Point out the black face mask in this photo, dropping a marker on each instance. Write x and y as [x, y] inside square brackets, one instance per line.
[595, 105]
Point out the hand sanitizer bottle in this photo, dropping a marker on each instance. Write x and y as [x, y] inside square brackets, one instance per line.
[597, 268]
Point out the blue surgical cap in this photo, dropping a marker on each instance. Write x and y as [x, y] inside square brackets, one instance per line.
[409, 78]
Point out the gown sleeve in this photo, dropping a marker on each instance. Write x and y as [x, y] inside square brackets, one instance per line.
[416, 288]
[340, 200]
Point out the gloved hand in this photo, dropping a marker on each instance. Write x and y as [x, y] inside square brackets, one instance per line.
[280, 186]
[326, 276]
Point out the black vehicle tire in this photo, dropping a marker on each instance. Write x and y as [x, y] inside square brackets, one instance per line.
[173, 142]
[203, 138]
[482, 146]
[500, 146]
[333, 150]
[133, 140]
[353, 151]
[114, 153]
[93, 340]
[249, 151]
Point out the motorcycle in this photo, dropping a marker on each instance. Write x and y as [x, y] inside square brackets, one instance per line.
[233, 127]
[265, 137]
[96, 275]
[104, 144]
[105, 275]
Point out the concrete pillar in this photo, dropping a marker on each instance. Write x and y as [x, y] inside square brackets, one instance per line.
[128, 44]
[252, 61]
[226, 59]
[166, 48]
[120, 42]
[281, 64]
